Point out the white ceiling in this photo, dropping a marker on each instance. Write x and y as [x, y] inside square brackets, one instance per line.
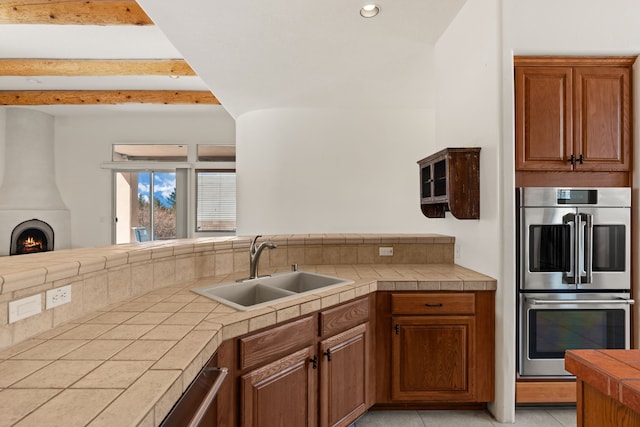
[252, 54]
[255, 54]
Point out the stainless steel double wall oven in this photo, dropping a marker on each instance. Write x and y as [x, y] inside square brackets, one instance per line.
[574, 276]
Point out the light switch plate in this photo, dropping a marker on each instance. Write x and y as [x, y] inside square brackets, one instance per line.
[25, 307]
[385, 251]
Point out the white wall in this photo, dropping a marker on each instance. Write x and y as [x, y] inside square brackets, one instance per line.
[468, 109]
[84, 142]
[332, 170]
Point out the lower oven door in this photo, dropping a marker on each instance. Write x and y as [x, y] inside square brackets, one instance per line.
[551, 323]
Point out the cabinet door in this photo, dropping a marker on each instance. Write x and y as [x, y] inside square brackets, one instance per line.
[282, 393]
[544, 139]
[433, 358]
[602, 118]
[344, 377]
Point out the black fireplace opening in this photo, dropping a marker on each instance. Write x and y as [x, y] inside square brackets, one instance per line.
[30, 237]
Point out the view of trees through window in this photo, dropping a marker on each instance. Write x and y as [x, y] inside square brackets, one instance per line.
[164, 215]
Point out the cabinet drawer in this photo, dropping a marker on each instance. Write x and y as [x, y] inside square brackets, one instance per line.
[346, 316]
[285, 339]
[433, 303]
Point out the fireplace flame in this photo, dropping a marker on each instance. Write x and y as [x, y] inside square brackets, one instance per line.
[31, 243]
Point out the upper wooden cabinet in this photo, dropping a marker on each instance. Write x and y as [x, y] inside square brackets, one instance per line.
[573, 113]
[450, 181]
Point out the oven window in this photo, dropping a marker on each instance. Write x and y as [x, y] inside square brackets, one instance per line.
[549, 248]
[554, 331]
[609, 248]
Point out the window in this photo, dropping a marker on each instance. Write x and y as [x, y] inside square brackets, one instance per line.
[216, 200]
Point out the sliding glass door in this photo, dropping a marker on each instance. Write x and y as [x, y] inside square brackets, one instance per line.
[145, 206]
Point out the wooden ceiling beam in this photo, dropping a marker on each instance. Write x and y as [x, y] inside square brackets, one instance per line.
[105, 97]
[94, 67]
[73, 12]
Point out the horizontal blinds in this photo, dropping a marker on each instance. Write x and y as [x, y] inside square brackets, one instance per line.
[216, 201]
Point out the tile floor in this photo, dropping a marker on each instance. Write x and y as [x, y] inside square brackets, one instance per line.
[525, 417]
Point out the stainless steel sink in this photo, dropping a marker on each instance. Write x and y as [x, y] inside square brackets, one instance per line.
[262, 291]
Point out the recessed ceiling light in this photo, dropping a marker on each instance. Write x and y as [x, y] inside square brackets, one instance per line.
[173, 76]
[369, 10]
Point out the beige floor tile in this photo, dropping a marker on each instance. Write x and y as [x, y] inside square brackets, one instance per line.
[145, 350]
[114, 374]
[51, 350]
[15, 403]
[98, 350]
[15, 370]
[86, 405]
[59, 374]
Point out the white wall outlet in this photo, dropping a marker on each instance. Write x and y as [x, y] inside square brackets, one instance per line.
[25, 307]
[58, 296]
[385, 251]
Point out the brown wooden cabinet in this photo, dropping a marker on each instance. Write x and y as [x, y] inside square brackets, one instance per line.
[450, 181]
[311, 371]
[573, 114]
[440, 348]
[344, 376]
[281, 393]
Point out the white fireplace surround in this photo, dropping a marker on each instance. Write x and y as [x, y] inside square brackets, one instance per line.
[35, 224]
[29, 188]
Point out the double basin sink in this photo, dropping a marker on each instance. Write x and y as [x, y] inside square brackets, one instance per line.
[262, 291]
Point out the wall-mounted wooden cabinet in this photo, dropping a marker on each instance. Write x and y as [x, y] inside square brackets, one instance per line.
[573, 114]
[450, 181]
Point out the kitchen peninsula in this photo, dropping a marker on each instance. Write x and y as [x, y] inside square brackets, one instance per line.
[134, 336]
[608, 386]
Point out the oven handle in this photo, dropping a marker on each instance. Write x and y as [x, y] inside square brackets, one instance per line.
[588, 247]
[578, 301]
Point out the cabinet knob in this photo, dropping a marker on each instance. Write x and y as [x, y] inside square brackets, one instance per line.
[328, 354]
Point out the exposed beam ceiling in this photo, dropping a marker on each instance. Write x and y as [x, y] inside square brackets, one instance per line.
[76, 12]
[90, 80]
[94, 67]
[96, 97]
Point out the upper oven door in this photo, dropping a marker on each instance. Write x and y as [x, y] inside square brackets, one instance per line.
[547, 248]
[604, 254]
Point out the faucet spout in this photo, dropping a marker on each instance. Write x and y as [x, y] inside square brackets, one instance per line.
[254, 255]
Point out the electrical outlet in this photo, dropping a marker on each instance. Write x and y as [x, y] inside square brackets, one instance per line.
[385, 251]
[58, 296]
[25, 307]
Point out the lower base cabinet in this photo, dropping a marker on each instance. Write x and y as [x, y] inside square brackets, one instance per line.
[311, 371]
[344, 377]
[281, 393]
[421, 350]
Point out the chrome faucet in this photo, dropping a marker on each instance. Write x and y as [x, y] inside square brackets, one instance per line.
[254, 255]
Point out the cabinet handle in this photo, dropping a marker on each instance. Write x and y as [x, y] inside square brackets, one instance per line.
[572, 159]
[433, 305]
[581, 159]
[397, 328]
[328, 354]
[314, 362]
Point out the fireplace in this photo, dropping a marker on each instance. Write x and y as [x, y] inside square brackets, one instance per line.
[30, 237]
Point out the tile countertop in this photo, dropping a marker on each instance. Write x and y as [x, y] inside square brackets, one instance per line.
[127, 364]
[615, 373]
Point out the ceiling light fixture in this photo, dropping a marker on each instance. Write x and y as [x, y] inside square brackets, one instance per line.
[369, 10]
